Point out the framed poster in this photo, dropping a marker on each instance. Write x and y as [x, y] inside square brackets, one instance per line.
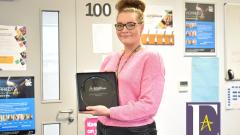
[13, 44]
[17, 105]
[199, 29]
[158, 28]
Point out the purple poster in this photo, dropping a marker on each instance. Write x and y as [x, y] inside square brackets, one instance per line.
[203, 118]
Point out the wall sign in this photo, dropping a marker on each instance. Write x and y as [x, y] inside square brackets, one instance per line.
[203, 118]
[91, 126]
[158, 28]
[200, 29]
[97, 9]
[13, 46]
[17, 113]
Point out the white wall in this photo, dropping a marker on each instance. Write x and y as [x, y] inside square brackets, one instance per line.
[171, 117]
[230, 118]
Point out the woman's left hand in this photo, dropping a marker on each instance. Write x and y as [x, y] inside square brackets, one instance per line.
[98, 110]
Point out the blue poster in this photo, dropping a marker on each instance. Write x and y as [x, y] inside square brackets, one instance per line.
[17, 113]
[199, 28]
[205, 79]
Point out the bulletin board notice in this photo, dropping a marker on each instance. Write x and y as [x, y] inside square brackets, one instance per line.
[17, 113]
[200, 29]
[13, 44]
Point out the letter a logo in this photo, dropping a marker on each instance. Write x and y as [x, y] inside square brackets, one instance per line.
[203, 118]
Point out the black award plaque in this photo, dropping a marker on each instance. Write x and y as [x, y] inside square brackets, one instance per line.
[97, 88]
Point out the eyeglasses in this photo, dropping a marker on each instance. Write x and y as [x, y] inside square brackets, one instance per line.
[129, 26]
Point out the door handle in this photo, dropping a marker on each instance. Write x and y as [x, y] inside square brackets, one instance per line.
[70, 114]
[70, 111]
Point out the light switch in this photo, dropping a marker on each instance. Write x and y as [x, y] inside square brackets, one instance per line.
[183, 86]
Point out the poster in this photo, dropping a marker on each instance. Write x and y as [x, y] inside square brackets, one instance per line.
[158, 28]
[200, 29]
[91, 126]
[233, 95]
[205, 79]
[13, 44]
[17, 105]
[102, 44]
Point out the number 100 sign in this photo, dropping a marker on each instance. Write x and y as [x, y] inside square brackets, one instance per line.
[98, 9]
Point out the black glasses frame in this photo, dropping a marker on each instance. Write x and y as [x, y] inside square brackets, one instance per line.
[128, 25]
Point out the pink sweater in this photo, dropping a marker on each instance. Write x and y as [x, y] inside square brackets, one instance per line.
[140, 83]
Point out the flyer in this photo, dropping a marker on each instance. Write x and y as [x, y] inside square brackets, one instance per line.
[200, 29]
[13, 44]
[17, 113]
[158, 28]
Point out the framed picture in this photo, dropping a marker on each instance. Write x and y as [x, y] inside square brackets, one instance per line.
[18, 102]
[200, 29]
[158, 26]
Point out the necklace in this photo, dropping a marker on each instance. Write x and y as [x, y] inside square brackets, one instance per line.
[119, 70]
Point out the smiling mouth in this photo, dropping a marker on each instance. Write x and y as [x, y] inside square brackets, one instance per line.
[125, 35]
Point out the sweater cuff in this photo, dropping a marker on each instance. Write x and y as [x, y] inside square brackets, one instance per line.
[112, 112]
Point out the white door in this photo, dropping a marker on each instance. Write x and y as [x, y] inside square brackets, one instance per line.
[56, 107]
[95, 35]
[55, 92]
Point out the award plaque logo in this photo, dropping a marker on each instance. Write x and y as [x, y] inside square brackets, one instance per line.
[97, 90]
[203, 118]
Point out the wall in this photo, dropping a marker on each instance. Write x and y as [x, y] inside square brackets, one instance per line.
[171, 117]
[230, 118]
[28, 13]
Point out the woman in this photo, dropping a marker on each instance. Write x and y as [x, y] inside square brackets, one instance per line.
[140, 74]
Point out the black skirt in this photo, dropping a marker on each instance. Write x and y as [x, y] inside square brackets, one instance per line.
[149, 129]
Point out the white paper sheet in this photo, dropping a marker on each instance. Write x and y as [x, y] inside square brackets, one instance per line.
[102, 38]
[233, 95]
